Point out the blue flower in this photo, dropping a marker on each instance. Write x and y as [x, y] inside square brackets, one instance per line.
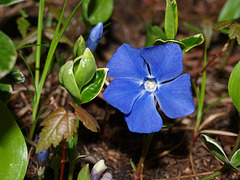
[94, 36]
[141, 76]
[42, 156]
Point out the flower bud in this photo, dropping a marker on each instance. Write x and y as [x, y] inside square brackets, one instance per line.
[95, 35]
[98, 169]
[42, 156]
[79, 47]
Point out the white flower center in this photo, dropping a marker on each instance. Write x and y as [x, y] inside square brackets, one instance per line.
[150, 85]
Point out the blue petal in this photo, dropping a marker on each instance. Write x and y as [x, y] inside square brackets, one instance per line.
[122, 93]
[126, 62]
[165, 61]
[175, 97]
[144, 117]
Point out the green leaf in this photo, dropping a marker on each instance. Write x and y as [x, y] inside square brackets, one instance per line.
[58, 125]
[161, 41]
[15, 76]
[9, 2]
[30, 38]
[93, 88]
[234, 86]
[192, 27]
[85, 69]
[23, 26]
[234, 32]
[133, 165]
[153, 33]
[230, 11]
[192, 41]
[5, 92]
[88, 121]
[49, 33]
[170, 21]
[236, 158]
[13, 149]
[175, 13]
[56, 162]
[8, 54]
[95, 11]
[223, 24]
[67, 80]
[84, 173]
[79, 47]
[215, 148]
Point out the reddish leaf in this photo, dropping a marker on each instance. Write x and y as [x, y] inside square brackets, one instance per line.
[58, 125]
[234, 32]
[88, 121]
[222, 25]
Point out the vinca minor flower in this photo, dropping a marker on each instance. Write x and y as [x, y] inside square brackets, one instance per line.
[94, 36]
[141, 76]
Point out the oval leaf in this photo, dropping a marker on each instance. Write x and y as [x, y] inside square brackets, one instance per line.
[192, 41]
[236, 159]
[58, 125]
[88, 121]
[215, 148]
[5, 92]
[67, 80]
[84, 173]
[8, 54]
[234, 86]
[97, 11]
[8, 2]
[85, 69]
[93, 88]
[13, 149]
[15, 76]
[230, 11]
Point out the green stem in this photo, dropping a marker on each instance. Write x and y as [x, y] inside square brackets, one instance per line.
[39, 41]
[145, 149]
[223, 170]
[202, 94]
[73, 153]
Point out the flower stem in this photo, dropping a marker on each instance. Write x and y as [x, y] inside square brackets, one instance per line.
[63, 158]
[145, 149]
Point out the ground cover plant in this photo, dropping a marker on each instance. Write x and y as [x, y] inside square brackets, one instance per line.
[104, 90]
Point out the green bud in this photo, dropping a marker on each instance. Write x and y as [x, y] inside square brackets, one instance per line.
[79, 47]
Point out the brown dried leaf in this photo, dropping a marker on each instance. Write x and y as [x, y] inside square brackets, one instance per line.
[58, 125]
[88, 121]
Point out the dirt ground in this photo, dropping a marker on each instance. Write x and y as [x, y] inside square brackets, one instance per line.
[170, 153]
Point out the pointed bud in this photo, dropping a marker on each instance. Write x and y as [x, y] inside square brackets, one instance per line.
[79, 47]
[98, 169]
[95, 35]
[42, 156]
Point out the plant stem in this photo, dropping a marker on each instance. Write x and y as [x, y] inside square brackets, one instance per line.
[73, 153]
[63, 158]
[145, 149]
[39, 41]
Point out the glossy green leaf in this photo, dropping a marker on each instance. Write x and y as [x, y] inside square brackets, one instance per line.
[5, 92]
[236, 159]
[13, 149]
[85, 69]
[161, 41]
[88, 121]
[58, 125]
[15, 76]
[79, 47]
[95, 11]
[170, 22]
[9, 2]
[230, 11]
[93, 88]
[23, 26]
[8, 54]
[175, 13]
[84, 173]
[192, 41]
[49, 33]
[67, 80]
[215, 148]
[153, 33]
[234, 86]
